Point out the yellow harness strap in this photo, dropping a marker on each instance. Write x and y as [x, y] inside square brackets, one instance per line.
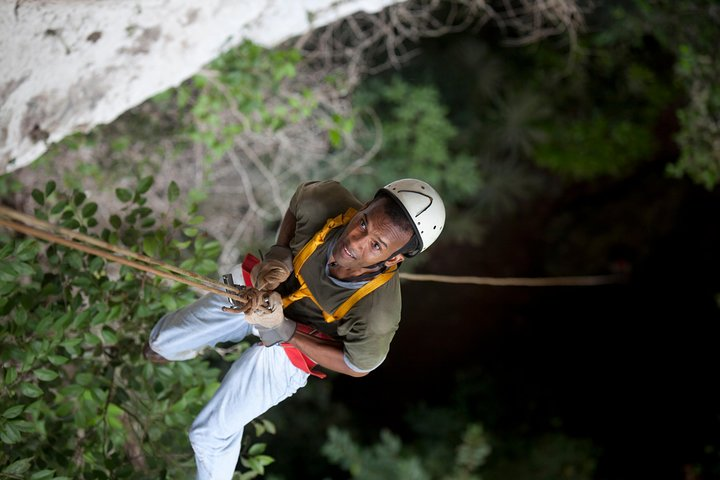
[309, 249]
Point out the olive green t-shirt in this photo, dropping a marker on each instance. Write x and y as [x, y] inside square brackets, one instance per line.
[369, 326]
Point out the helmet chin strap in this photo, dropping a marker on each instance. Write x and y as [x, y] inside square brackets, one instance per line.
[377, 269]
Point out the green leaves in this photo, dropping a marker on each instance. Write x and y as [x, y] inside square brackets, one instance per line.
[115, 221]
[145, 184]
[89, 210]
[173, 191]
[256, 460]
[13, 412]
[700, 151]
[45, 374]
[38, 196]
[72, 347]
[30, 390]
[18, 468]
[10, 376]
[151, 246]
[123, 194]
[50, 188]
[417, 141]
[244, 81]
[9, 434]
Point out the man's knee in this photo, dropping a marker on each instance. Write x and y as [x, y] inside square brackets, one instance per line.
[167, 343]
[152, 355]
[206, 441]
[197, 439]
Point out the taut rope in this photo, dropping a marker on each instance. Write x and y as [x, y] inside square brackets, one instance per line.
[52, 233]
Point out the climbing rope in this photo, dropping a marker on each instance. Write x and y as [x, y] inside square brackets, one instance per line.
[587, 280]
[52, 233]
[62, 236]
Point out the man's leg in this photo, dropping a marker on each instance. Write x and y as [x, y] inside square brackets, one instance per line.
[260, 378]
[180, 335]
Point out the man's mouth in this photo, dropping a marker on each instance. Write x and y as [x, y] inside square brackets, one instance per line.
[348, 252]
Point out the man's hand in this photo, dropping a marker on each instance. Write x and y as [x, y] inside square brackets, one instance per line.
[269, 312]
[269, 320]
[274, 269]
[253, 299]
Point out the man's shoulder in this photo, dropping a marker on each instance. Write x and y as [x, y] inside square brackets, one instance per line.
[315, 202]
[325, 191]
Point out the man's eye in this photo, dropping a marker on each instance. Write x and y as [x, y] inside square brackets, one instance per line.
[376, 245]
[362, 224]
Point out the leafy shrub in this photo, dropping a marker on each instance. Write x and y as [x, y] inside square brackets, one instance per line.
[388, 458]
[77, 398]
[586, 149]
[699, 136]
[417, 138]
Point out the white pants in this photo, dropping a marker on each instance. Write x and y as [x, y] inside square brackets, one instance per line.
[260, 378]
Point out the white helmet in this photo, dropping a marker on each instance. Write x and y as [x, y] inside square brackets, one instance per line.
[423, 206]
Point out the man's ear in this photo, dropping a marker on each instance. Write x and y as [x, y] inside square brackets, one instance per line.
[394, 260]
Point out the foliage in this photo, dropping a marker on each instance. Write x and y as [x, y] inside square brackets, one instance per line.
[242, 132]
[595, 146]
[601, 110]
[416, 140]
[606, 110]
[549, 456]
[241, 91]
[78, 400]
[699, 136]
[515, 123]
[8, 185]
[688, 31]
[388, 459]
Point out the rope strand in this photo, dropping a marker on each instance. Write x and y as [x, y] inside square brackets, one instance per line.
[33, 221]
[588, 280]
[204, 283]
[50, 237]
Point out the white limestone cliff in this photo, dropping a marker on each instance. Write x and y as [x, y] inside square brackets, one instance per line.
[68, 65]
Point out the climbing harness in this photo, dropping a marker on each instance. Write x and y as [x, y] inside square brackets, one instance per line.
[296, 357]
[309, 249]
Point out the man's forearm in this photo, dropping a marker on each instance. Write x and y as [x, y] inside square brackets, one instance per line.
[326, 355]
[287, 229]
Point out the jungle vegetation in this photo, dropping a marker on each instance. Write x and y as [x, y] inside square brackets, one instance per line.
[202, 173]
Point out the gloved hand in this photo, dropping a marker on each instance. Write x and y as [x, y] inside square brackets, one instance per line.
[274, 269]
[271, 324]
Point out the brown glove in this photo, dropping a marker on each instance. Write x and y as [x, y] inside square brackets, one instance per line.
[269, 313]
[272, 326]
[275, 269]
[254, 299]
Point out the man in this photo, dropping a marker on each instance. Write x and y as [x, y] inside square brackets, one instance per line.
[328, 295]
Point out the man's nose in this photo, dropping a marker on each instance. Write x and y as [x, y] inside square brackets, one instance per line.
[356, 239]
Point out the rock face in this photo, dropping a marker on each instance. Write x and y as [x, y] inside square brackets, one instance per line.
[68, 66]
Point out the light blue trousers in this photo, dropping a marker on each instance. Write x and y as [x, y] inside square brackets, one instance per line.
[260, 378]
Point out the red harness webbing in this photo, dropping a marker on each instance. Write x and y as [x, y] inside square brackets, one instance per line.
[296, 357]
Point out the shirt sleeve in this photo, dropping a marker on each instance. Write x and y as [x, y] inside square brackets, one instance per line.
[369, 330]
[313, 204]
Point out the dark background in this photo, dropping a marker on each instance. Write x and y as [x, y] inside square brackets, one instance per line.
[625, 373]
[631, 367]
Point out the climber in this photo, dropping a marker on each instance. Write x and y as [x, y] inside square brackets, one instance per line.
[331, 297]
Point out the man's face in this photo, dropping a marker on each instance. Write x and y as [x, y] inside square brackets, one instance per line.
[369, 238]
